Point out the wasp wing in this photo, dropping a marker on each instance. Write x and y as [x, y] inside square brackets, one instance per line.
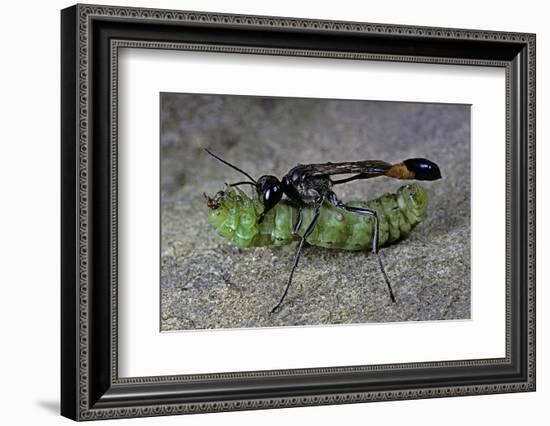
[361, 169]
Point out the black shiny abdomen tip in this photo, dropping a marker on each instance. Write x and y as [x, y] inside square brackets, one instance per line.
[423, 169]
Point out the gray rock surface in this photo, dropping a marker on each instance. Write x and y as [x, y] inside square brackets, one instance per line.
[206, 282]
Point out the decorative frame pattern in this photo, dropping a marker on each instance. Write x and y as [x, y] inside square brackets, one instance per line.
[91, 388]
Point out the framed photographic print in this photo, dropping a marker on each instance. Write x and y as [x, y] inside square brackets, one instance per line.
[263, 212]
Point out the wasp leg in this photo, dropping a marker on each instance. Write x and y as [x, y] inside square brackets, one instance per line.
[369, 213]
[308, 232]
[298, 223]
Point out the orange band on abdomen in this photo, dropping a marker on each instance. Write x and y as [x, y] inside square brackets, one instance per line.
[400, 171]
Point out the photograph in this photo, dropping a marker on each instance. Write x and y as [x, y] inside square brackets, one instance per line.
[282, 211]
[268, 210]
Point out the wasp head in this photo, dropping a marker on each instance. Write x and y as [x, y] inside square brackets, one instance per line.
[270, 190]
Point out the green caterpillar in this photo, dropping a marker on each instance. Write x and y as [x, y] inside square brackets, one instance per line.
[235, 216]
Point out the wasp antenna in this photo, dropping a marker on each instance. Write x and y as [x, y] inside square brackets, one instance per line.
[231, 165]
[245, 182]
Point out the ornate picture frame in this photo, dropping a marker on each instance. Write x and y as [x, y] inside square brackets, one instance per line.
[91, 37]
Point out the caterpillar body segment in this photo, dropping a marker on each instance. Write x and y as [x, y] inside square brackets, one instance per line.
[235, 216]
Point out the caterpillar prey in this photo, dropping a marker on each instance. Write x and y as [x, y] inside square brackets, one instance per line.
[235, 217]
[309, 189]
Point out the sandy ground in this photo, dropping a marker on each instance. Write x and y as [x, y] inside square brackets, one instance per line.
[206, 282]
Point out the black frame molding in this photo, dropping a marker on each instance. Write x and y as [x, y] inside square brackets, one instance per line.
[90, 38]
